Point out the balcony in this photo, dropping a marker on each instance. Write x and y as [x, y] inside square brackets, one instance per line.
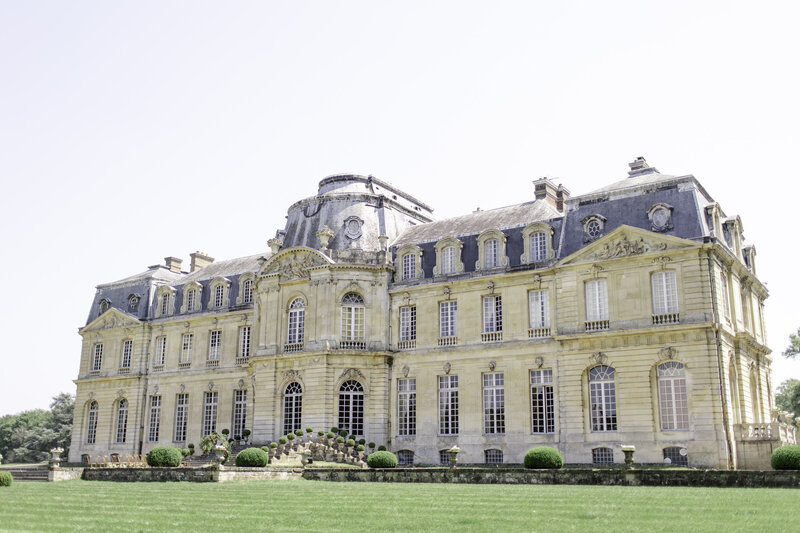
[125, 370]
[352, 345]
[293, 347]
[212, 363]
[492, 336]
[447, 341]
[158, 368]
[186, 364]
[666, 318]
[407, 345]
[538, 333]
[595, 325]
[242, 360]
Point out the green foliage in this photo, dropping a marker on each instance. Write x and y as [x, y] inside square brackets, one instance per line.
[252, 457]
[283, 440]
[290, 436]
[786, 458]
[371, 445]
[543, 457]
[343, 432]
[186, 452]
[267, 448]
[29, 436]
[190, 446]
[360, 448]
[208, 442]
[362, 441]
[309, 430]
[330, 434]
[339, 440]
[334, 429]
[787, 396]
[381, 448]
[226, 432]
[350, 443]
[5, 478]
[300, 433]
[164, 456]
[273, 445]
[245, 433]
[320, 433]
[382, 459]
[794, 345]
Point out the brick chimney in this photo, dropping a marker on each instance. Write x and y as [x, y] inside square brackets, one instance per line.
[544, 189]
[200, 260]
[173, 264]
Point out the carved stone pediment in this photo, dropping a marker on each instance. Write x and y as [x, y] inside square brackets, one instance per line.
[627, 241]
[351, 373]
[294, 263]
[113, 318]
[624, 247]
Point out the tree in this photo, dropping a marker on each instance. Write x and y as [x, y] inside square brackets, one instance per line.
[787, 397]
[29, 436]
[794, 345]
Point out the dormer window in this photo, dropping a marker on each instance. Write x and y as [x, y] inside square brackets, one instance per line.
[246, 289]
[164, 301]
[593, 226]
[164, 304]
[219, 293]
[491, 250]
[191, 300]
[247, 292]
[133, 303]
[410, 259]
[449, 260]
[191, 297]
[104, 305]
[448, 257]
[660, 216]
[537, 240]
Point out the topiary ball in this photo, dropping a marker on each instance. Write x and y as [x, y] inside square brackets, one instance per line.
[381, 448]
[252, 457]
[330, 434]
[350, 443]
[283, 440]
[164, 456]
[5, 478]
[382, 460]
[186, 452]
[786, 458]
[543, 457]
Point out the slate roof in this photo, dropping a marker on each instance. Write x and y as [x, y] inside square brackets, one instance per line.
[229, 267]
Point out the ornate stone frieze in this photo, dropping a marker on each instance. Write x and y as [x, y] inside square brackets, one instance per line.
[292, 375]
[295, 265]
[623, 247]
[668, 352]
[599, 358]
[351, 373]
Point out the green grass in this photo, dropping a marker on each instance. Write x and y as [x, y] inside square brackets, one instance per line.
[326, 506]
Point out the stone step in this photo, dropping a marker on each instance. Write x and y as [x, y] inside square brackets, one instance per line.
[28, 474]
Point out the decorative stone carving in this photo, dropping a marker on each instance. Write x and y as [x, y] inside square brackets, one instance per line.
[210, 385]
[241, 383]
[405, 371]
[662, 261]
[623, 247]
[446, 368]
[490, 287]
[292, 375]
[539, 361]
[324, 234]
[275, 244]
[182, 387]
[294, 265]
[660, 216]
[492, 365]
[155, 388]
[352, 227]
[668, 352]
[446, 292]
[537, 281]
[599, 358]
[351, 373]
[120, 393]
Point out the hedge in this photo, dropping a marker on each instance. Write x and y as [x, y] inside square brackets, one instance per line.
[252, 457]
[164, 456]
[543, 457]
[5, 478]
[382, 460]
[786, 458]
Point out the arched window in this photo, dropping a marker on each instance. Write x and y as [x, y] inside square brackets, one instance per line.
[538, 247]
[353, 321]
[91, 426]
[122, 420]
[297, 322]
[104, 305]
[491, 257]
[351, 407]
[409, 266]
[247, 292]
[449, 260]
[602, 398]
[672, 398]
[292, 407]
[219, 296]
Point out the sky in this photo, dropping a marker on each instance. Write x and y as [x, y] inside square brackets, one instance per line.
[132, 131]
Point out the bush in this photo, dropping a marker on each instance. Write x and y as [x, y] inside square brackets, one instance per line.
[266, 449]
[225, 432]
[186, 452]
[362, 441]
[330, 434]
[339, 440]
[290, 436]
[351, 437]
[283, 440]
[164, 456]
[543, 457]
[350, 443]
[321, 433]
[334, 430]
[245, 433]
[381, 448]
[5, 478]
[786, 458]
[309, 430]
[300, 433]
[382, 459]
[273, 445]
[371, 445]
[190, 446]
[343, 432]
[360, 448]
[252, 457]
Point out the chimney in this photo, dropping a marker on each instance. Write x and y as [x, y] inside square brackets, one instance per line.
[173, 264]
[544, 189]
[200, 260]
[640, 167]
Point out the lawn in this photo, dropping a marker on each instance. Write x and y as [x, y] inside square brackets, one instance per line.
[361, 507]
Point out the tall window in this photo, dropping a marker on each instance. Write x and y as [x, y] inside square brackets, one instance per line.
[494, 411]
[239, 412]
[297, 321]
[97, 359]
[219, 296]
[164, 304]
[122, 421]
[447, 318]
[351, 407]
[490, 253]
[186, 347]
[672, 396]
[408, 323]
[407, 406]
[665, 293]
[542, 412]
[244, 342]
[91, 426]
[127, 348]
[191, 300]
[726, 306]
[352, 317]
[409, 266]
[161, 351]
[247, 291]
[449, 260]
[539, 309]
[448, 405]
[155, 418]
[209, 412]
[181, 414]
[603, 398]
[214, 344]
[538, 247]
[596, 300]
[492, 314]
[292, 407]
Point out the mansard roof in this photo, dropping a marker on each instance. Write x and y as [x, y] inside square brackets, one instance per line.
[228, 267]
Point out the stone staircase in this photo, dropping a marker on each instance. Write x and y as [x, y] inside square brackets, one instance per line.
[28, 473]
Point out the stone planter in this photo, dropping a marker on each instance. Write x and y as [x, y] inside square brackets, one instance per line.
[55, 458]
[628, 451]
[219, 452]
[453, 455]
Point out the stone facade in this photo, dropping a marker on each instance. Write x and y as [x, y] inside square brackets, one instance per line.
[627, 316]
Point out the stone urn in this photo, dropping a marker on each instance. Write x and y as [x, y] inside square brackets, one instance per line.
[55, 457]
[628, 450]
[452, 454]
[304, 457]
[219, 452]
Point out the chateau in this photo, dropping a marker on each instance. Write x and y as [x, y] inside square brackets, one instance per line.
[631, 315]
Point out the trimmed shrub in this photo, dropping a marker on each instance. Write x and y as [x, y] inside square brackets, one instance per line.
[334, 430]
[339, 440]
[371, 445]
[786, 458]
[266, 449]
[362, 441]
[245, 433]
[309, 430]
[300, 433]
[5, 478]
[283, 440]
[320, 433]
[381, 448]
[343, 432]
[164, 456]
[252, 457]
[186, 452]
[225, 432]
[190, 446]
[360, 448]
[350, 443]
[273, 445]
[351, 437]
[382, 459]
[543, 457]
[290, 436]
[330, 434]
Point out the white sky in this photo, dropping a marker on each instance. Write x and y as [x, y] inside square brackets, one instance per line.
[130, 131]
